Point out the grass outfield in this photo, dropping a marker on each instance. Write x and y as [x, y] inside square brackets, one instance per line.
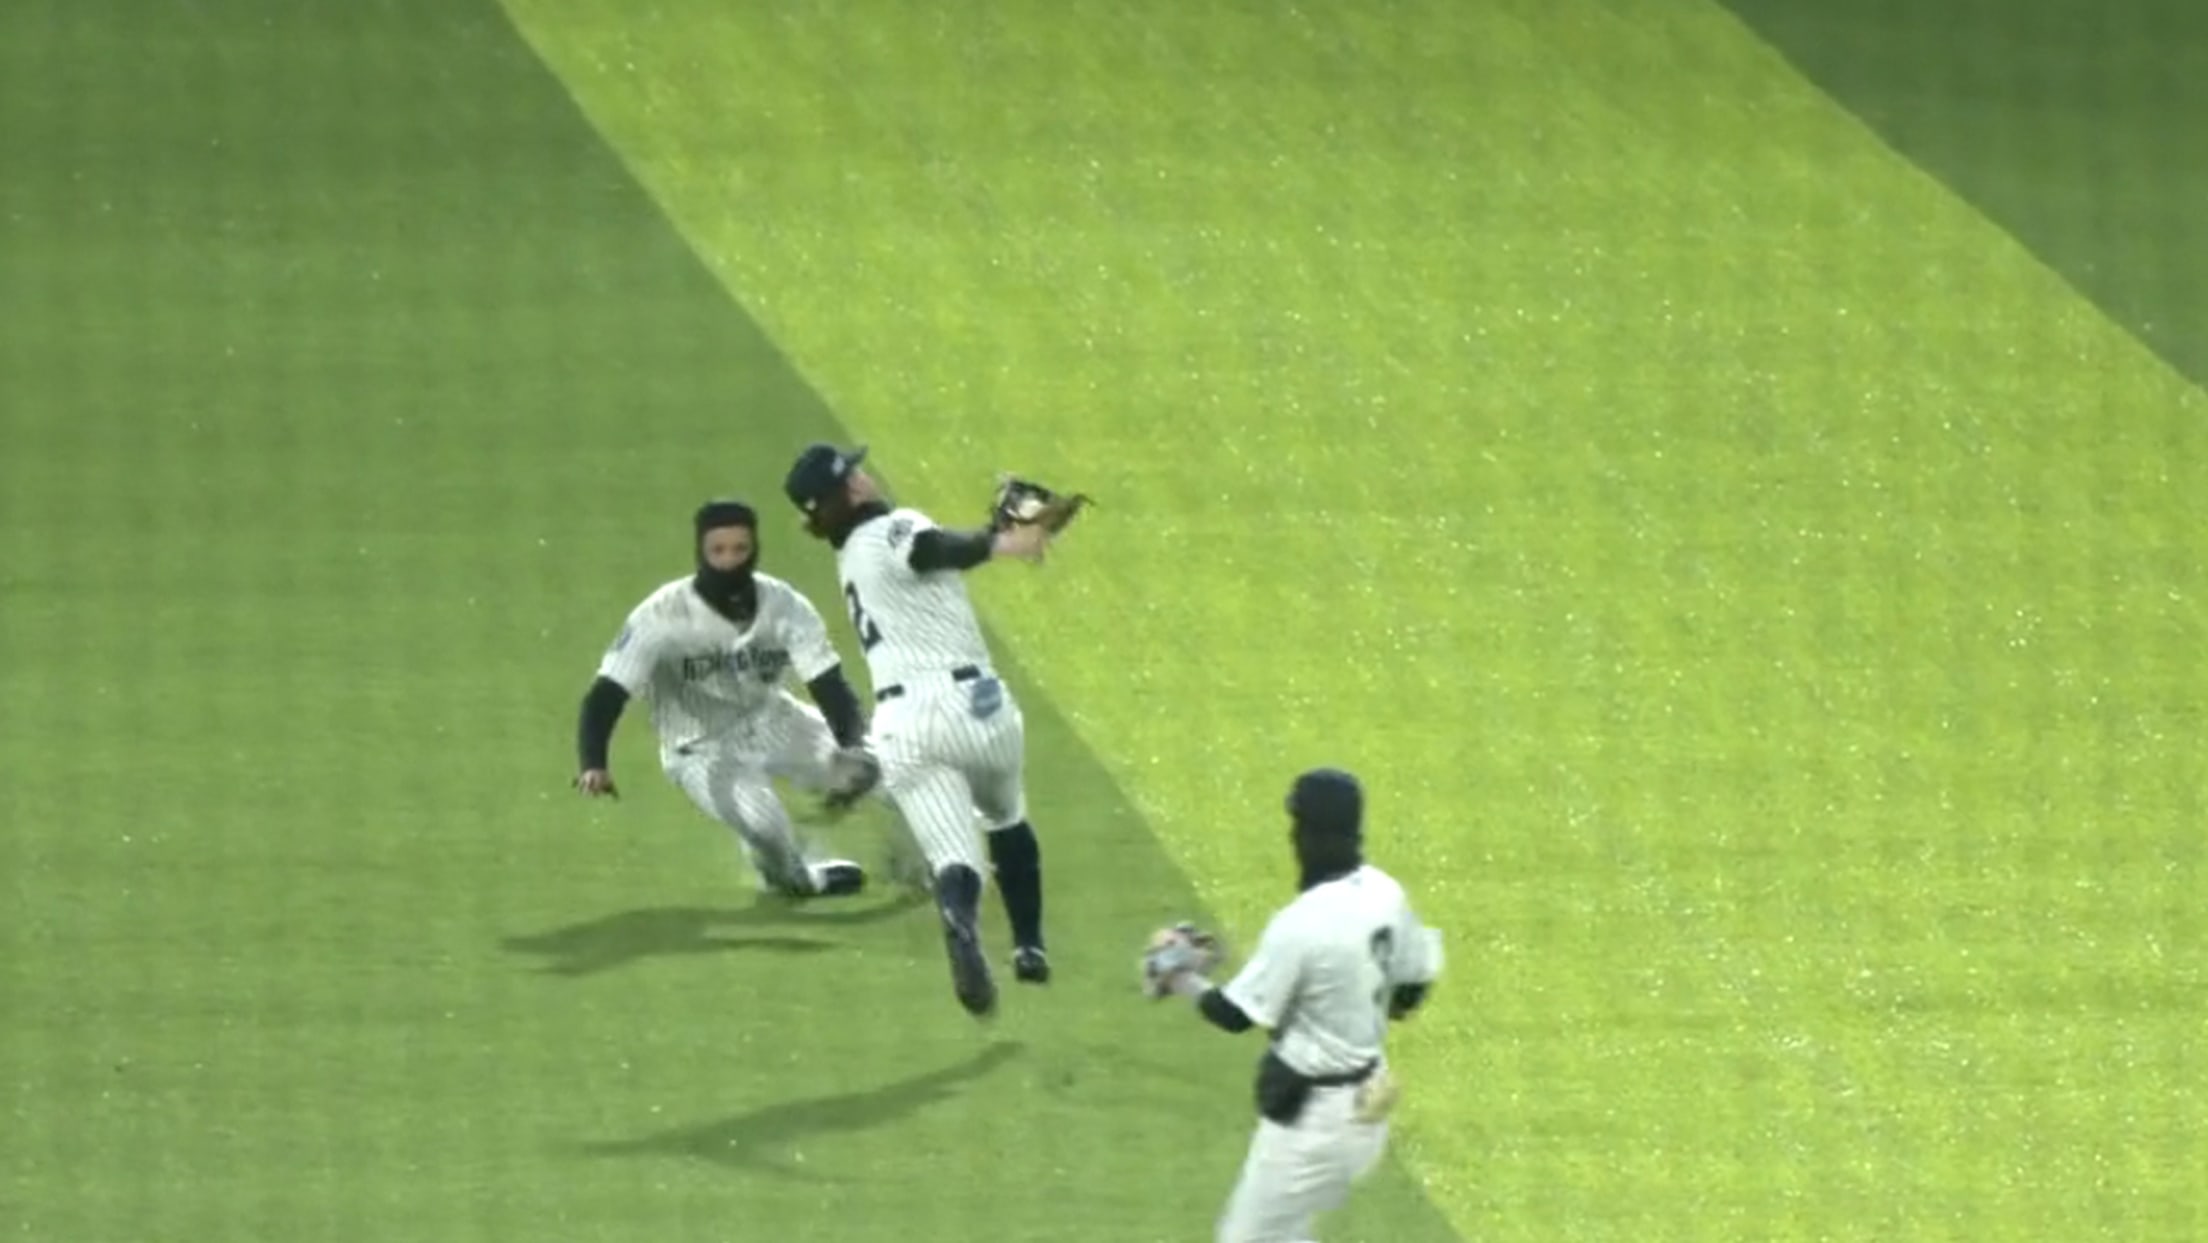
[2069, 122]
[1761, 596]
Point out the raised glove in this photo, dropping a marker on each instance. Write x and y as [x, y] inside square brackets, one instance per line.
[1179, 950]
[1021, 501]
[853, 772]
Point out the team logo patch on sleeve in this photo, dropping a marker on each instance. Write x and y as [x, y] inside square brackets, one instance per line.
[621, 641]
[900, 531]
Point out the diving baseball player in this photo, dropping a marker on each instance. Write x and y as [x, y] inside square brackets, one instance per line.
[947, 732]
[1332, 969]
[711, 652]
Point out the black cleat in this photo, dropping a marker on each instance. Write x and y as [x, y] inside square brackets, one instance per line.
[969, 968]
[957, 897]
[838, 878]
[1030, 966]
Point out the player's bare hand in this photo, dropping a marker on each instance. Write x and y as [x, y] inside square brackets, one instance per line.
[1025, 540]
[596, 781]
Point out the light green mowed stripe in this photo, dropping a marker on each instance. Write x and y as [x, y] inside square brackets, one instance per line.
[1755, 589]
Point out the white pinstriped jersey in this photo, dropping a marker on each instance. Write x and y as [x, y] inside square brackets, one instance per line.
[704, 675]
[1326, 967]
[907, 623]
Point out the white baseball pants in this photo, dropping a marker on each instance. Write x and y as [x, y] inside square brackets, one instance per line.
[731, 778]
[1293, 1174]
[952, 749]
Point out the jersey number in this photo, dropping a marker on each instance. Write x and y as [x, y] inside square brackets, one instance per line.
[869, 633]
[1383, 956]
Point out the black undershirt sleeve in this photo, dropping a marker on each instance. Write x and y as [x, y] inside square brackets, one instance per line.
[840, 704]
[1406, 998]
[939, 549]
[1222, 1013]
[601, 712]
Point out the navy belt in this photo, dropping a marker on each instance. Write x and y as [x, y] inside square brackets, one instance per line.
[964, 673]
[1346, 1078]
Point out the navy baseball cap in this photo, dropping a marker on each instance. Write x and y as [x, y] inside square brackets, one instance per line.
[818, 472]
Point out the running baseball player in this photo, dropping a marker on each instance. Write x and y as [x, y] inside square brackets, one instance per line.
[947, 732]
[1332, 969]
[712, 653]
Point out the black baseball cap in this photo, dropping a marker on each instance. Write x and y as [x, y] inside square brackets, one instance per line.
[818, 472]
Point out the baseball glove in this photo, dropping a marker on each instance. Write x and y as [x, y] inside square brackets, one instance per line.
[853, 772]
[1020, 501]
[1179, 950]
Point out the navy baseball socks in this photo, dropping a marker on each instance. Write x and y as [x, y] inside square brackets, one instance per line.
[1017, 859]
[958, 901]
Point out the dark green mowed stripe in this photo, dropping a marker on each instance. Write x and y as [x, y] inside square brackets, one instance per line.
[352, 390]
[2077, 126]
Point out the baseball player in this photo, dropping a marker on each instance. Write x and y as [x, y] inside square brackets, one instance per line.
[712, 653]
[1332, 969]
[947, 732]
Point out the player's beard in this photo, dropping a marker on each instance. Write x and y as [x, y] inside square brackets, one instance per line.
[835, 520]
[734, 594]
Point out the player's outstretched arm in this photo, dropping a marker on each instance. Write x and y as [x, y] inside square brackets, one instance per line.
[624, 671]
[601, 711]
[938, 548]
[840, 704]
[816, 663]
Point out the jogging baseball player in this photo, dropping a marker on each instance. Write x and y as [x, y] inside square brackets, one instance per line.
[712, 653]
[1332, 969]
[947, 731]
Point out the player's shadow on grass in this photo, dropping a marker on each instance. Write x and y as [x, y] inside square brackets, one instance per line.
[762, 1138]
[615, 941]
